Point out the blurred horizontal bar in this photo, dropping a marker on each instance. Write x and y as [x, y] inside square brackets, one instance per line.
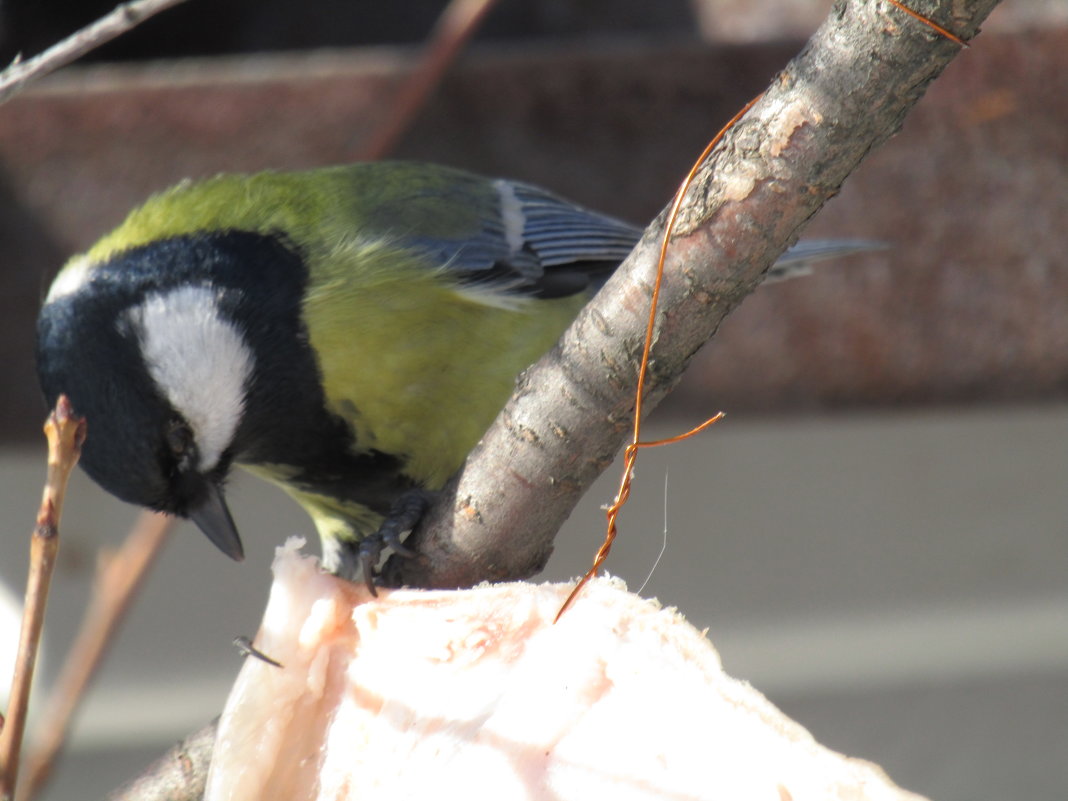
[967, 306]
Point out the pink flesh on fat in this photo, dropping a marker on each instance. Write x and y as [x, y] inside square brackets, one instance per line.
[475, 694]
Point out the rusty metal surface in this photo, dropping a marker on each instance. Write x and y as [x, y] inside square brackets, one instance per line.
[968, 306]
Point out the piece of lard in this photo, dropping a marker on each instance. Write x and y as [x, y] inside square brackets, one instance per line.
[476, 694]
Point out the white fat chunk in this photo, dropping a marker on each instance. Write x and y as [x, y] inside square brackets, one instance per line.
[476, 694]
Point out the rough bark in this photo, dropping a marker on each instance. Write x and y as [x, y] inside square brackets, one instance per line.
[178, 775]
[846, 93]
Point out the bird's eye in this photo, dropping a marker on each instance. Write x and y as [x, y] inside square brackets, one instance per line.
[179, 437]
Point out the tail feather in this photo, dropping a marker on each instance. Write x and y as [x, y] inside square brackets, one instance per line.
[798, 260]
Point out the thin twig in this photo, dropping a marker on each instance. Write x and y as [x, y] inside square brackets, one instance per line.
[65, 433]
[631, 454]
[117, 581]
[108, 27]
[457, 23]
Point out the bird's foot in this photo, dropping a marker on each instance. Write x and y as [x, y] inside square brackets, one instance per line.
[403, 516]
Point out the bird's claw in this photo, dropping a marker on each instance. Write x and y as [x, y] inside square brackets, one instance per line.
[370, 552]
[403, 516]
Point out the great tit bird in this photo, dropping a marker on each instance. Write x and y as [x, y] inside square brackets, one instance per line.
[346, 333]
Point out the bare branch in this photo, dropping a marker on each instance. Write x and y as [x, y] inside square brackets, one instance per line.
[118, 579]
[456, 25]
[119, 21]
[179, 775]
[846, 93]
[65, 433]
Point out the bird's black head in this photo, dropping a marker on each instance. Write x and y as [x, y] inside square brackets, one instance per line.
[148, 347]
[139, 447]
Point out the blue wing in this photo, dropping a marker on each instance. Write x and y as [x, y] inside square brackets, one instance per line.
[526, 241]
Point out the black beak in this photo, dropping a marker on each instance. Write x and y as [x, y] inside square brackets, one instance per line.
[213, 518]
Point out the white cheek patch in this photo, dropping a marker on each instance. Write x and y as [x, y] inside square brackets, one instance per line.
[512, 215]
[199, 361]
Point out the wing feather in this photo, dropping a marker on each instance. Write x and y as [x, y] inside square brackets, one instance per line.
[532, 243]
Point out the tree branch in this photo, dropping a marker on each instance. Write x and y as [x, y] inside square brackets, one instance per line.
[123, 18]
[455, 27]
[119, 577]
[178, 775]
[65, 433]
[846, 93]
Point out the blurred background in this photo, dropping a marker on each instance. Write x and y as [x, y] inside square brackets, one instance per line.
[876, 536]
